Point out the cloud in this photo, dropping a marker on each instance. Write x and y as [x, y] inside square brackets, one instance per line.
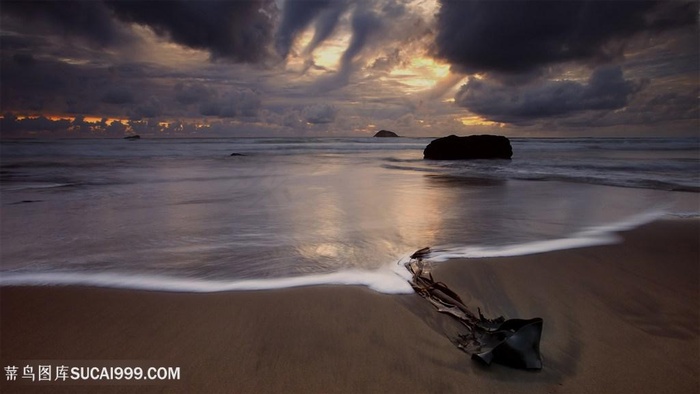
[85, 19]
[606, 89]
[319, 114]
[377, 35]
[325, 25]
[521, 36]
[677, 110]
[240, 31]
[298, 15]
[151, 108]
[672, 106]
[192, 93]
[116, 127]
[292, 120]
[118, 95]
[522, 63]
[11, 124]
[390, 59]
[364, 24]
[33, 85]
[237, 103]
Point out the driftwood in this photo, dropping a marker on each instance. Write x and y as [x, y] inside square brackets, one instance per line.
[513, 342]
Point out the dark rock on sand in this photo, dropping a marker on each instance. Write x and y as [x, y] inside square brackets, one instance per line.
[385, 134]
[237, 154]
[471, 147]
[132, 137]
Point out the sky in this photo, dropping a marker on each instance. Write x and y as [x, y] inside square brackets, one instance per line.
[99, 68]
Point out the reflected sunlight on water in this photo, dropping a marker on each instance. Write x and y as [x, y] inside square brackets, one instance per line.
[187, 210]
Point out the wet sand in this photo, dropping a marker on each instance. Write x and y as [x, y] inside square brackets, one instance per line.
[617, 318]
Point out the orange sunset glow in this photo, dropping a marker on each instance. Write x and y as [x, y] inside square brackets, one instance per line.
[333, 68]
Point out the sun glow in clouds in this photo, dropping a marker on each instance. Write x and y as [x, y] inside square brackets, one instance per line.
[421, 73]
[87, 119]
[326, 56]
[95, 119]
[478, 121]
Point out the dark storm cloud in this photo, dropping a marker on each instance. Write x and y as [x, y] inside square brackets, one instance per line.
[118, 95]
[296, 16]
[364, 23]
[17, 43]
[605, 90]
[151, 108]
[236, 30]
[44, 85]
[679, 107]
[325, 25]
[237, 103]
[366, 20]
[240, 31]
[319, 114]
[87, 19]
[30, 84]
[192, 93]
[10, 124]
[521, 36]
[672, 106]
[24, 59]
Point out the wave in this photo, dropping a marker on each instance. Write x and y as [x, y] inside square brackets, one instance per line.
[594, 236]
[684, 215]
[29, 186]
[688, 144]
[640, 183]
[387, 281]
[391, 279]
[640, 177]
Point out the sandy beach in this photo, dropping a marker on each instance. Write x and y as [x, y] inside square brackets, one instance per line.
[223, 196]
[617, 318]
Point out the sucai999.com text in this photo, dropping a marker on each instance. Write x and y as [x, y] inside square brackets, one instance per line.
[64, 373]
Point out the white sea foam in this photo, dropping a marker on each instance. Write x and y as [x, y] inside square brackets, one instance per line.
[598, 235]
[392, 279]
[35, 185]
[684, 215]
[383, 281]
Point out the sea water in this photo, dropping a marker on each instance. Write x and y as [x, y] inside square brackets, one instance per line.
[185, 215]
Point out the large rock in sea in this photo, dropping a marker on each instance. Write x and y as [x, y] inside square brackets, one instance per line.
[385, 134]
[471, 147]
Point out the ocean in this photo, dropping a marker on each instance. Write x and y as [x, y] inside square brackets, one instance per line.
[185, 215]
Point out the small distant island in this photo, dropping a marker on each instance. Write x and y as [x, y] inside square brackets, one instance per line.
[132, 137]
[386, 134]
